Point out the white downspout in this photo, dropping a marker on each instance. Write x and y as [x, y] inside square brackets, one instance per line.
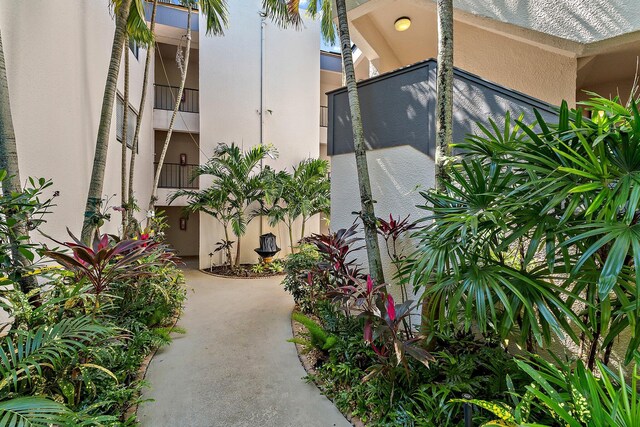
[263, 25]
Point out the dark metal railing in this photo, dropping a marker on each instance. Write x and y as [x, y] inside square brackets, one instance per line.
[175, 175]
[324, 116]
[165, 99]
[194, 5]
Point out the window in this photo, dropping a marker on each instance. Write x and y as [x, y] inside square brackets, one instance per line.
[133, 46]
[131, 122]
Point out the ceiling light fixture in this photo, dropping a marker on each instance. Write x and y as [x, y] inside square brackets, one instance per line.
[403, 23]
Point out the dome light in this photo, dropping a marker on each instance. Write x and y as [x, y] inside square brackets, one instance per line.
[402, 24]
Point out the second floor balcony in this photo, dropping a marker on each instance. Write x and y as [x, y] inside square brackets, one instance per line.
[165, 99]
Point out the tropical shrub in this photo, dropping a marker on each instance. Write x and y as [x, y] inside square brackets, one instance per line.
[536, 233]
[25, 209]
[298, 195]
[566, 395]
[297, 267]
[238, 182]
[73, 345]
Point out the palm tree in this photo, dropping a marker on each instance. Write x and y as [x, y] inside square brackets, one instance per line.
[238, 182]
[129, 19]
[123, 154]
[444, 91]
[366, 199]
[136, 135]
[299, 195]
[9, 164]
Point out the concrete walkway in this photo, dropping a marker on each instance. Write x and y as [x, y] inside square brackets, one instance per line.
[234, 367]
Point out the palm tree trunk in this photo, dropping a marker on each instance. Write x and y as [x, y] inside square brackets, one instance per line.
[125, 118]
[290, 227]
[94, 197]
[176, 107]
[9, 163]
[136, 135]
[237, 263]
[366, 199]
[444, 110]
[444, 90]
[226, 239]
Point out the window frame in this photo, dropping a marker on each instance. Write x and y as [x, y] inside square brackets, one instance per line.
[120, 101]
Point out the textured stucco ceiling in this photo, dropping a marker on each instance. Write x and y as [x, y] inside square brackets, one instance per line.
[581, 21]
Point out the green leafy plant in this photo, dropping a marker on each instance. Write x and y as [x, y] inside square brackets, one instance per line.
[297, 267]
[569, 395]
[318, 338]
[238, 183]
[298, 195]
[536, 236]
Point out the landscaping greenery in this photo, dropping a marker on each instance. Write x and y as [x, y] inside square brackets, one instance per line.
[299, 196]
[73, 346]
[243, 188]
[238, 181]
[534, 238]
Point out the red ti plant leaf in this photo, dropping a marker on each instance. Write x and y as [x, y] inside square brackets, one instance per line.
[369, 284]
[368, 332]
[391, 308]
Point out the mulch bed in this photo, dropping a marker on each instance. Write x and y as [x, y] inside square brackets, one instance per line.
[244, 271]
[309, 362]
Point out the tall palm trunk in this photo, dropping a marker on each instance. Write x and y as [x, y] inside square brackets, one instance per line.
[444, 90]
[366, 199]
[444, 111]
[9, 163]
[94, 197]
[136, 135]
[176, 107]
[125, 119]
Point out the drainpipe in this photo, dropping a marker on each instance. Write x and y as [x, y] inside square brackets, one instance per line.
[263, 25]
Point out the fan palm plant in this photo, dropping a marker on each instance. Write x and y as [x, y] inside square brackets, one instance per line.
[299, 195]
[537, 232]
[238, 182]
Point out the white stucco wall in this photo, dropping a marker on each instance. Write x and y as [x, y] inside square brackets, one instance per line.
[57, 55]
[230, 101]
[397, 176]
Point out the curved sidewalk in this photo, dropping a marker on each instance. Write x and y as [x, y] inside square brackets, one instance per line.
[233, 367]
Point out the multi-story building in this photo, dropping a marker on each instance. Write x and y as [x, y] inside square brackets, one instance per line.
[258, 83]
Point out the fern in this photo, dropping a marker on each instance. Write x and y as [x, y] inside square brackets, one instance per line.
[318, 337]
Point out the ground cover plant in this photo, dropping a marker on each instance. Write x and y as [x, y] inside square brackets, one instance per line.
[73, 345]
[532, 239]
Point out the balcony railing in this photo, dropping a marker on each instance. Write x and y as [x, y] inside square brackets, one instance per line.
[324, 116]
[194, 5]
[175, 175]
[165, 99]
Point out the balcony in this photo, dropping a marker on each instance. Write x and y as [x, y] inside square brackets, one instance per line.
[175, 175]
[165, 99]
[189, 118]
